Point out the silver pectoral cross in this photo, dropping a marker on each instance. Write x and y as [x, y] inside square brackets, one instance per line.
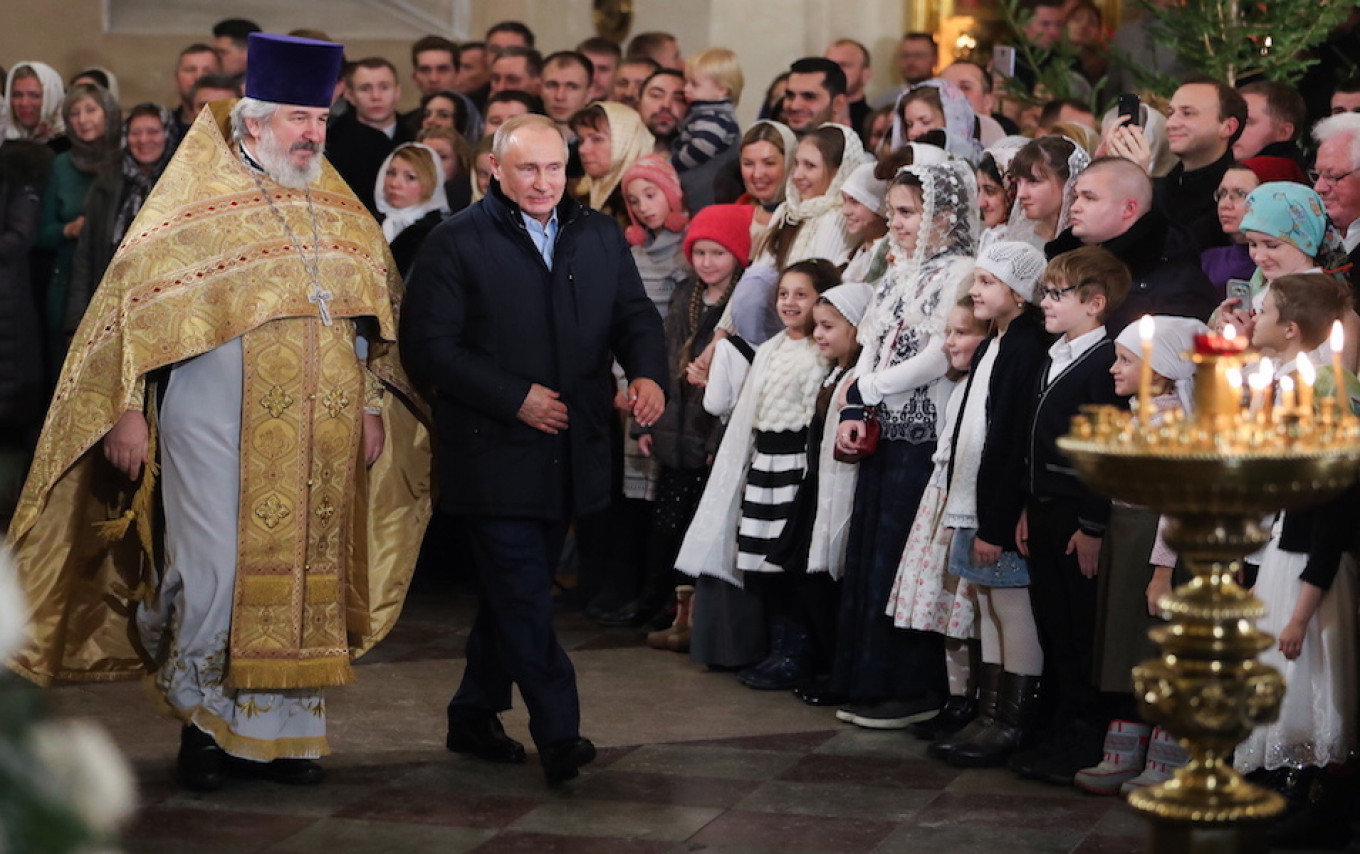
[322, 298]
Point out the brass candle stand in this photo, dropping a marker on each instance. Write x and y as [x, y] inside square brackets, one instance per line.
[1215, 476]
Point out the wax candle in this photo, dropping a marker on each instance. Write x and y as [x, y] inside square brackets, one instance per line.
[1307, 376]
[1257, 382]
[1266, 369]
[1286, 396]
[1338, 341]
[1146, 329]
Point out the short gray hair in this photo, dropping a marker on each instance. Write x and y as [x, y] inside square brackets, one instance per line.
[253, 109]
[1340, 125]
[503, 133]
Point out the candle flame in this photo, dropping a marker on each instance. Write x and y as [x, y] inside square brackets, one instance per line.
[1338, 339]
[1266, 368]
[1286, 384]
[1307, 373]
[1234, 378]
[1146, 327]
[1229, 331]
[1258, 381]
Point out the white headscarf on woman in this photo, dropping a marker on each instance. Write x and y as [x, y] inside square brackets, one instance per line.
[397, 220]
[823, 233]
[960, 122]
[54, 91]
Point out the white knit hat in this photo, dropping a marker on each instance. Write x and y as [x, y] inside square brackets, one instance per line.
[1017, 264]
[851, 299]
[864, 188]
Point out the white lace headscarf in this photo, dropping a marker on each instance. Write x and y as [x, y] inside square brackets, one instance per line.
[797, 209]
[949, 227]
[1022, 228]
[50, 124]
[960, 122]
[397, 220]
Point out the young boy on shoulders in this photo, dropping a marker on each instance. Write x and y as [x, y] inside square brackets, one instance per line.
[1064, 521]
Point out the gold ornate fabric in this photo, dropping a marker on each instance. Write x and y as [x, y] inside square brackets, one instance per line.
[204, 262]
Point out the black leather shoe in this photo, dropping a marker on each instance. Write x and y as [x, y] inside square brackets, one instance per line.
[200, 761]
[562, 761]
[293, 772]
[482, 735]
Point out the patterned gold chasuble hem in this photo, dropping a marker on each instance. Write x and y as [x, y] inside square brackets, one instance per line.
[204, 262]
[300, 436]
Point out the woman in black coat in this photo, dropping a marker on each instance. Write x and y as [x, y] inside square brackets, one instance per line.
[24, 168]
[115, 198]
[411, 200]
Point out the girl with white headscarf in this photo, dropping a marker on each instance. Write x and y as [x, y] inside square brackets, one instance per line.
[33, 99]
[410, 198]
[937, 104]
[895, 677]
[1045, 174]
[996, 190]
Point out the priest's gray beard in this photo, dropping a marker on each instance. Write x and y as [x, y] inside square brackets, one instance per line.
[277, 161]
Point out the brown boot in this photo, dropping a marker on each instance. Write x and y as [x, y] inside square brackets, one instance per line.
[660, 639]
[678, 639]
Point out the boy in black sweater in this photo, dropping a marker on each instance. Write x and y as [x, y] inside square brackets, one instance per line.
[1064, 521]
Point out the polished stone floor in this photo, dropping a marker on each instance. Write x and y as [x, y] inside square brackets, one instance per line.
[690, 761]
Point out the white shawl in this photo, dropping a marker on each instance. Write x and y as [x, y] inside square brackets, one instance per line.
[710, 545]
[835, 497]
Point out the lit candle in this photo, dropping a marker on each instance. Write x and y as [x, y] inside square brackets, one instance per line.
[1229, 333]
[1257, 382]
[1267, 371]
[1146, 329]
[1307, 376]
[1234, 377]
[1338, 341]
[1286, 396]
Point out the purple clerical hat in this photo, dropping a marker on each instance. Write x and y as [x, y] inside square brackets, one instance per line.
[291, 70]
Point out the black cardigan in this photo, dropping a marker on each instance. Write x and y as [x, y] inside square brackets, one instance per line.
[1051, 475]
[1010, 399]
[1325, 533]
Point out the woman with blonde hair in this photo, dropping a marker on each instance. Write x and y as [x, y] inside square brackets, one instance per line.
[410, 198]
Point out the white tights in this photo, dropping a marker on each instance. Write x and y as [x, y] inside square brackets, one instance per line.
[1006, 625]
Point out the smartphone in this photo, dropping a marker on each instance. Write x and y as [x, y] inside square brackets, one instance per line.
[1003, 59]
[1240, 290]
[1130, 106]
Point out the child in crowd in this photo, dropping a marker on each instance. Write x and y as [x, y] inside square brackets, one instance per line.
[1306, 583]
[895, 678]
[1064, 522]
[713, 84]
[811, 549]
[1045, 174]
[1133, 749]
[685, 438]
[985, 497]
[924, 596]
[756, 473]
[656, 213]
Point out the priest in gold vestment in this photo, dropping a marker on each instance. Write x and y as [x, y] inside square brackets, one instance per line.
[232, 482]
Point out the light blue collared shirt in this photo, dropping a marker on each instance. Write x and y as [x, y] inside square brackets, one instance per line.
[543, 236]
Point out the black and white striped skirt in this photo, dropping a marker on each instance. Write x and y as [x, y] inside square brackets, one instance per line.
[772, 483]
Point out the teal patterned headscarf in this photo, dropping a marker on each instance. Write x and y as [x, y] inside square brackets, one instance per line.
[1290, 212]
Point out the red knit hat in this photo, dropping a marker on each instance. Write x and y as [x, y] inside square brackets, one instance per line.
[1271, 168]
[658, 170]
[727, 225]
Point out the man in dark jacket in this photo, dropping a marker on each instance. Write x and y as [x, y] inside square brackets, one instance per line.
[1207, 117]
[516, 309]
[1114, 209]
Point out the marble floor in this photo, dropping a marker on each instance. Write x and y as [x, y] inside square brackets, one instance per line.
[689, 761]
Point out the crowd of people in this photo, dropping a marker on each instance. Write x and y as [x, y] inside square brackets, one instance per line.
[879, 316]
